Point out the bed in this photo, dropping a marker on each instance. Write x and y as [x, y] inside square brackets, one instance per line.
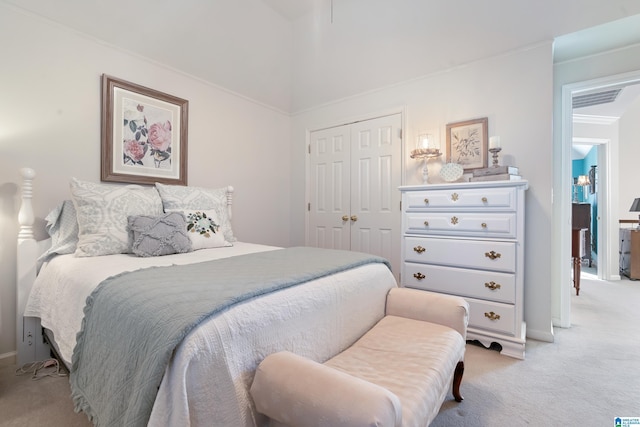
[207, 378]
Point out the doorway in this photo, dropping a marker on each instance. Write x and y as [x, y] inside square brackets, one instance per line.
[607, 225]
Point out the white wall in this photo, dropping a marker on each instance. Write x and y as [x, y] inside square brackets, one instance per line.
[514, 92]
[629, 132]
[50, 121]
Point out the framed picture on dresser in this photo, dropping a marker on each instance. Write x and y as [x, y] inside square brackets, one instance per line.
[467, 143]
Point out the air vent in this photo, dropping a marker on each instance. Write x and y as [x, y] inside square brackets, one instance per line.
[597, 98]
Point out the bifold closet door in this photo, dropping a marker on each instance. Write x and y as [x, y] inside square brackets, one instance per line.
[329, 201]
[354, 179]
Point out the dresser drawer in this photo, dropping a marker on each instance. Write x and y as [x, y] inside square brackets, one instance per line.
[495, 225]
[460, 198]
[486, 285]
[492, 316]
[479, 254]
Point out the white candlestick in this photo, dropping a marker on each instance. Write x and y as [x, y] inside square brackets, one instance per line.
[494, 142]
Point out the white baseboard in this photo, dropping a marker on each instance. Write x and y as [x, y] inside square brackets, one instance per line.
[8, 358]
[544, 336]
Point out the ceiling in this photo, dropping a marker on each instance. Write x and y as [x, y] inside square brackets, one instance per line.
[288, 54]
[292, 9]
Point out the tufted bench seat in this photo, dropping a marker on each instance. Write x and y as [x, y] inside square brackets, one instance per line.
[396, 374]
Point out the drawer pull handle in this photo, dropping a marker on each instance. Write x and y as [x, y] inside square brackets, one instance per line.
[484, 200]
[454, 220]
[419, 276]
[492, 316]
[455, 197]
[426, 223]
[483, 225]
[426, 201]
[419, 249]
[492, 255]
[492, 285]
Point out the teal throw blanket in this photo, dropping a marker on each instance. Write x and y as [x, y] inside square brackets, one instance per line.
[134, 321]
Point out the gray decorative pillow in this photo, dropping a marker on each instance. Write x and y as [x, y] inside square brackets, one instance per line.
[181, 198]
[103, 211]
[159, 235]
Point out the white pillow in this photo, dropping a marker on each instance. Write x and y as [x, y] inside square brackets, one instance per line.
[181, 198]
[203, 228]
[103, 212]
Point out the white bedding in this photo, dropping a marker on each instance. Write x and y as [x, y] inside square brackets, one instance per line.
[208, 379]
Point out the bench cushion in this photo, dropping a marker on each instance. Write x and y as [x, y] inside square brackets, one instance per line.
[398, 373]
[413, 359]
[295, 391]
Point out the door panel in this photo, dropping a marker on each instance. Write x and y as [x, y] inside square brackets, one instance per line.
[329, 198]
[375, 178]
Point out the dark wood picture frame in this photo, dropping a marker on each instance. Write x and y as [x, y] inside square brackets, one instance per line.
[467, 143]
[144, 134]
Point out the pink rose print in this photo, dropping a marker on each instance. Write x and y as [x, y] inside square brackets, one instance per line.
[134, 151]
[160, 136]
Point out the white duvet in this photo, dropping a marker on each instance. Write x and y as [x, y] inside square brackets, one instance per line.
[207, 382]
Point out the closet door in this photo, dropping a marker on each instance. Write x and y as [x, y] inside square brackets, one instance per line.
[375, 177]
[354, 201]
[329, 208]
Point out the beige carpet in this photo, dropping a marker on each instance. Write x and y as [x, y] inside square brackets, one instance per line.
[588, 376]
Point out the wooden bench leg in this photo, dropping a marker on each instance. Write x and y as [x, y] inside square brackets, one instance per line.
[457, 379]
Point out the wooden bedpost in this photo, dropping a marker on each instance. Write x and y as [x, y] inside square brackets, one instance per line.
[29, 345]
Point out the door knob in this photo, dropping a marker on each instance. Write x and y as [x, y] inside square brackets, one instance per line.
[345, 217]
[354, 218]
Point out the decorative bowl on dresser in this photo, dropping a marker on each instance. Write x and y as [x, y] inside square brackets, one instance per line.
[467, 239]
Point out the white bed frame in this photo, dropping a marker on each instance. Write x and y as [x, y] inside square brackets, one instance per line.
[30, 345]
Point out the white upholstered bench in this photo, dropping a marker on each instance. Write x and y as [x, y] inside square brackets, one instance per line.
[397, 374]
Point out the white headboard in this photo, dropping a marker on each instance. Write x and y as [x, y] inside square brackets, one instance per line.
[30, 345]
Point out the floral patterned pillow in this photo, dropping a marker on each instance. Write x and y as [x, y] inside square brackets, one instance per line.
[203, 228]
[103, 212]
[178, 197]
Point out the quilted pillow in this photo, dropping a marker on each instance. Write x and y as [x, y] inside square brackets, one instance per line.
[62, 226]
[159, 235]
[181, 198]
[103, 212]
[203, 228]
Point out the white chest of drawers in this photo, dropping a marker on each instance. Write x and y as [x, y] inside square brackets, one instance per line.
[467, 239]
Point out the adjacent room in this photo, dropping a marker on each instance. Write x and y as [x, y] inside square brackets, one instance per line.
[335, 166]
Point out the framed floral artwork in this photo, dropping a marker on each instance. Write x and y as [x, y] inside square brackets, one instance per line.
[144, 134]
[467, 143]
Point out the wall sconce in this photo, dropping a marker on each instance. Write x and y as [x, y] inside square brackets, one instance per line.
[426, 148]
[635, 207]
